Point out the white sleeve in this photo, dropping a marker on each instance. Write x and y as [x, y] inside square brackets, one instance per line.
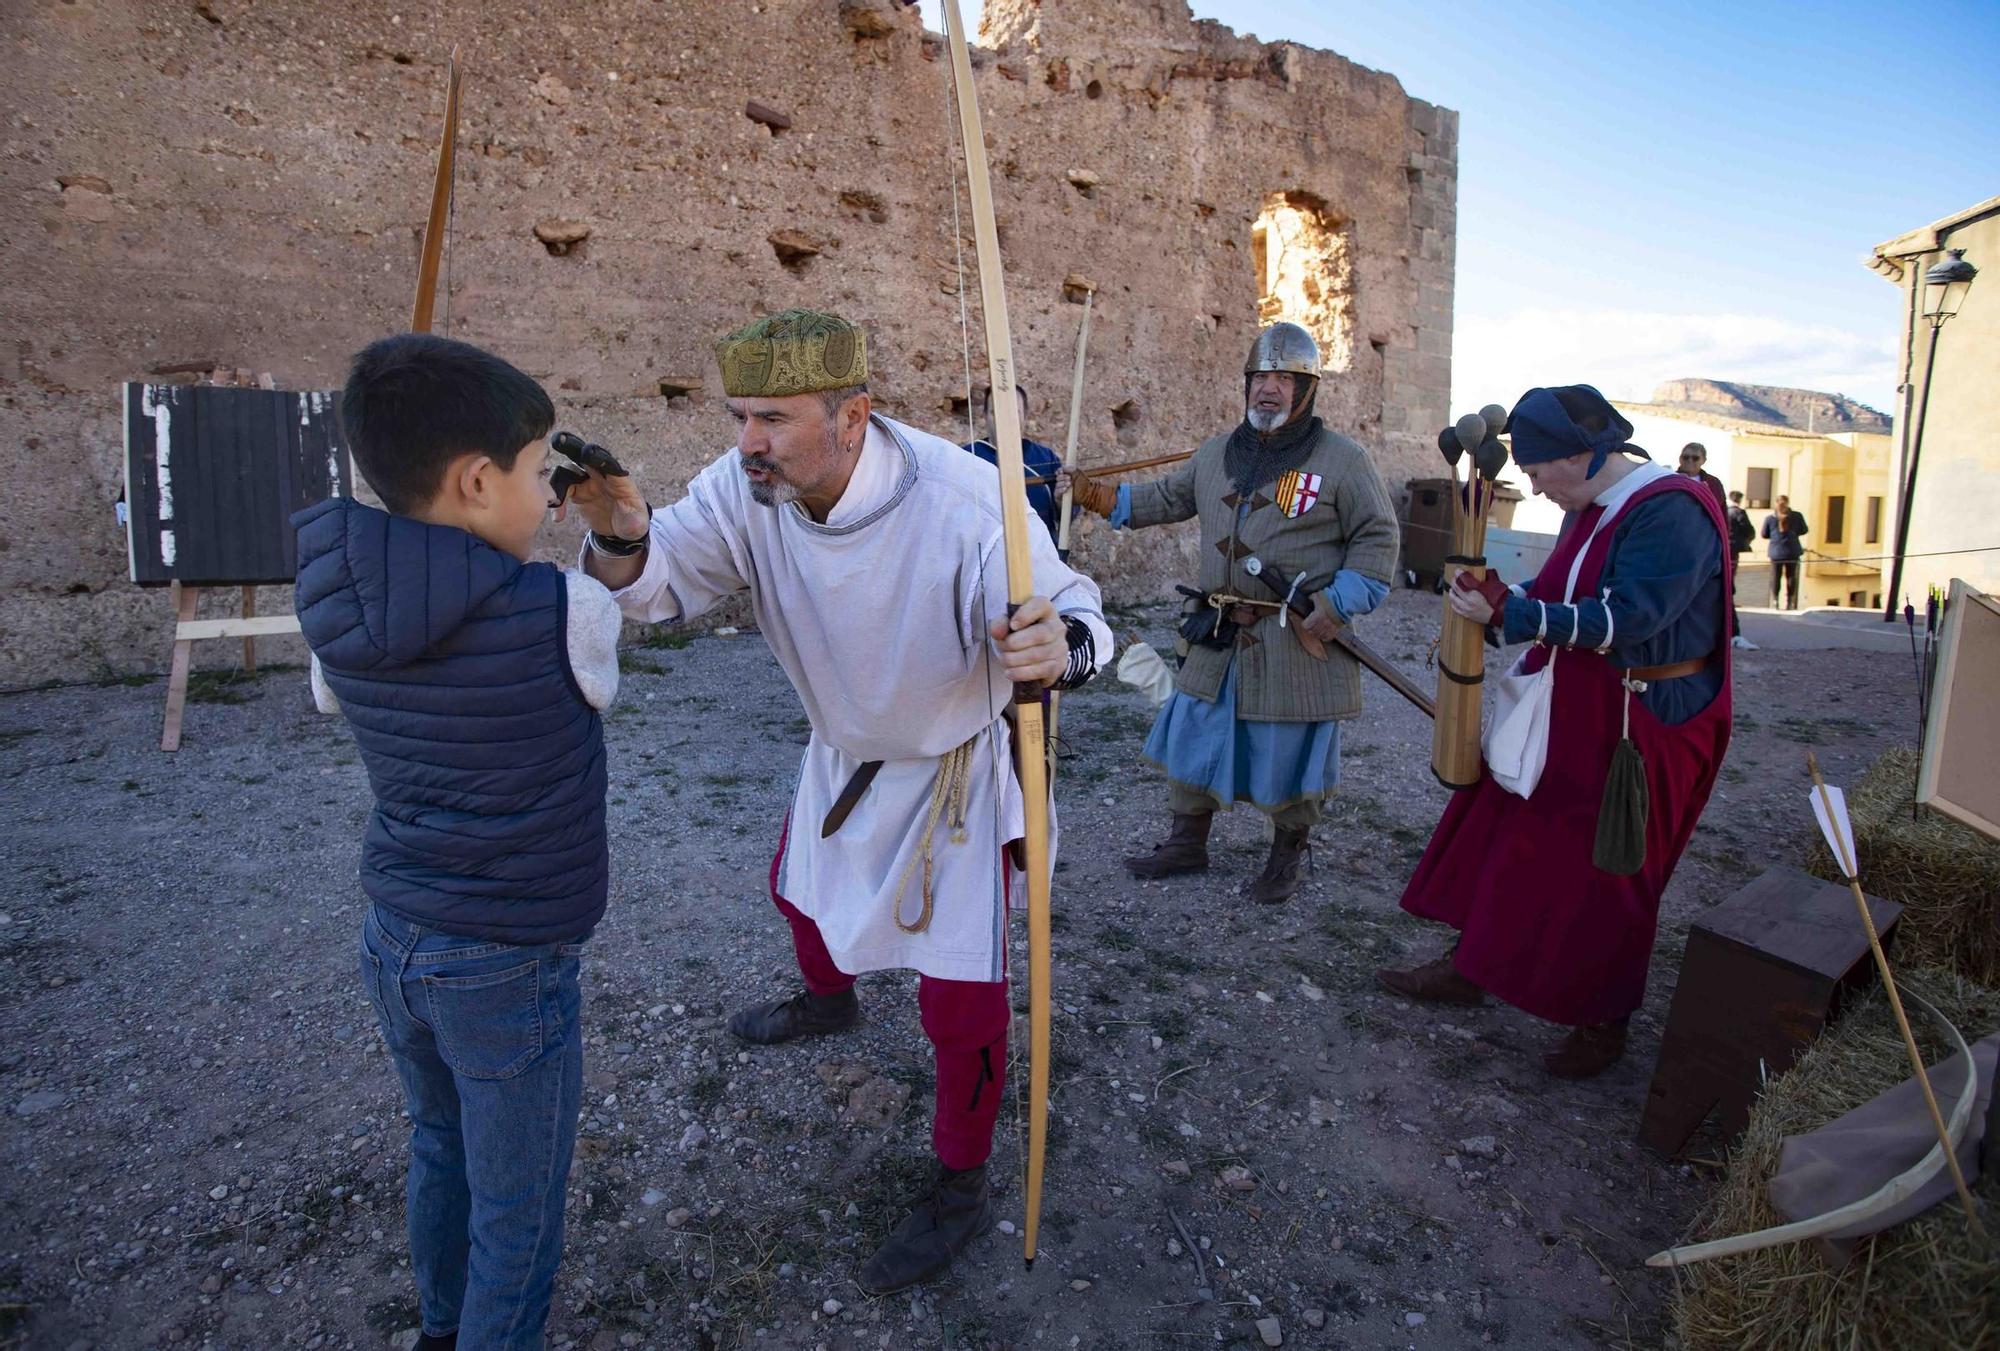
[323, 696]
[1074, 595]
[592, 628]
[694, 558]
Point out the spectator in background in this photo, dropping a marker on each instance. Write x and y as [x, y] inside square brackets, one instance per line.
[1694, 455]
[1040, 462]
[1785, 529]
[1742, 534]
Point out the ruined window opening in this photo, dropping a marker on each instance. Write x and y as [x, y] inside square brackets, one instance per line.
[1305, 274]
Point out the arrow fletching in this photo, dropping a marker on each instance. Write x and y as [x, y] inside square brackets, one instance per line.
[1829, 806]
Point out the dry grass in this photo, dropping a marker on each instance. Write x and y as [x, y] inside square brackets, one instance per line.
[1926, 1284]
[1945, 875]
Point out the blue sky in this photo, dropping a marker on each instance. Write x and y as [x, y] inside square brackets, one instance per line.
[1655, 191]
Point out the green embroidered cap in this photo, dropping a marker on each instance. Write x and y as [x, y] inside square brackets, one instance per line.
[792, 352]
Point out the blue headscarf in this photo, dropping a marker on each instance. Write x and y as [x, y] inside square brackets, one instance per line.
[1547, 424]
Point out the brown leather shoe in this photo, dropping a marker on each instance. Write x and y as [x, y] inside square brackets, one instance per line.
[958, 1210]
[1291, 852]
[803, 1015]
[1185, 851]
[1587, 1051]
[1435, 982]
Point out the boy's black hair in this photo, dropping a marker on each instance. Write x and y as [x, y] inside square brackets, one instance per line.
[415, 402]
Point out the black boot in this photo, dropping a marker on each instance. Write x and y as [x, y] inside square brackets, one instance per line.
[432, 1342]
[803, 1015]
[958, 1210]
[1290, 850]
[1186, 849]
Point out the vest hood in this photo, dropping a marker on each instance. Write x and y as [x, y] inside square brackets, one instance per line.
[376, 591]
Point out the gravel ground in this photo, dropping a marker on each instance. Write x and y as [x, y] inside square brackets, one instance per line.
[204, 1147]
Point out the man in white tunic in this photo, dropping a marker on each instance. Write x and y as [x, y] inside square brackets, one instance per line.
[873, 557]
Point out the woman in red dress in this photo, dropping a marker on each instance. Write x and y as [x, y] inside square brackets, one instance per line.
[1632, 608]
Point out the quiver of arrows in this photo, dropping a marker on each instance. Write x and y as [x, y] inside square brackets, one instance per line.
[1461, 649]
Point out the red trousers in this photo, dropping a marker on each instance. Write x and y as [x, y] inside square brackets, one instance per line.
[966, 1021]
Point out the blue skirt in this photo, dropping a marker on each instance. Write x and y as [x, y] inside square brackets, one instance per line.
[1205, 747]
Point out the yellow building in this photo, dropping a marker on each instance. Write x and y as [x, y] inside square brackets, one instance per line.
[1838, 480]
[1951, 436]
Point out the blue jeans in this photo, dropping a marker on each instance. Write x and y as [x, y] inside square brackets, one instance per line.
[487, 1041]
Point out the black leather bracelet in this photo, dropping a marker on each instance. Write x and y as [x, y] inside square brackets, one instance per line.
[1082, 655]
[613, 547]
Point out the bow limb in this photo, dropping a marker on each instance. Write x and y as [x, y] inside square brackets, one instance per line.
[1028, 727]
[1883, 1199]
[440, 215]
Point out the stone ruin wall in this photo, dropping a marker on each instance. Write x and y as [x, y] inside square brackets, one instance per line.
[222, 183]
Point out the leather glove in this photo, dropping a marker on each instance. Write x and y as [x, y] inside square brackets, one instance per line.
[1490, 587]
[1093, 494]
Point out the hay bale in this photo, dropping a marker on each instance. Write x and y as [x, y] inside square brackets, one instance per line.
[1926, 1283]
[1944, 874]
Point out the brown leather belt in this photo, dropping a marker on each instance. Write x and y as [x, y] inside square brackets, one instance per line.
[1243, 616]
[1671, 671]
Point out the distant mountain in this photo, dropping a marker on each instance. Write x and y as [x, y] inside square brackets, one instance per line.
[1799, 409]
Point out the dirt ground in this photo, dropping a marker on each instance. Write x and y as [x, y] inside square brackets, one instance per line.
[203, 1143]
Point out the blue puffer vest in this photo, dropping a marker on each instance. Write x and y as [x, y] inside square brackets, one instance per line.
[450, 660]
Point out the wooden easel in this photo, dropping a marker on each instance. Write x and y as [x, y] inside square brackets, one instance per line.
[188, 631]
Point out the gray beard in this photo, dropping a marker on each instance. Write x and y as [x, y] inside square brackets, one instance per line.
[1265, 422]
[773, 494]
[782, 491]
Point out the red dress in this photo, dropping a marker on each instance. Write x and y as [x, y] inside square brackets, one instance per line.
[1540, 926]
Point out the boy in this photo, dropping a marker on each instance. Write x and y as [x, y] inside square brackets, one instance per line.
[472, 679]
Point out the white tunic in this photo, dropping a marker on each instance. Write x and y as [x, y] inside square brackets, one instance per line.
[879, 617]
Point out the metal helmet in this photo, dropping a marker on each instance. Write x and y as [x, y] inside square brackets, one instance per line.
[1284, 347]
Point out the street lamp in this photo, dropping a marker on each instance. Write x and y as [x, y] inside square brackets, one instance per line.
[1945, 285]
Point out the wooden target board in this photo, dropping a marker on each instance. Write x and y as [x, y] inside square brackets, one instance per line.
[1960, 771]
[213, 474]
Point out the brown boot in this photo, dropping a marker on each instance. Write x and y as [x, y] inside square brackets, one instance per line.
[1186, 849]
[1291, 851]
[1435, 982]
[1587, 1051]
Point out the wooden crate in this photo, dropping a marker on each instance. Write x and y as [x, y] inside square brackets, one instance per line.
[1762, 974]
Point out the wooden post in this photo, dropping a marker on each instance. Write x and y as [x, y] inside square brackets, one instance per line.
[249, 642]
[183, 598]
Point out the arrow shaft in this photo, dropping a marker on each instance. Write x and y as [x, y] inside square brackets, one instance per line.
[1844, 852]
[1075, 424]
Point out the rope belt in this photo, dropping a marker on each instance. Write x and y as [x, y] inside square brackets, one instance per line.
[948, 795]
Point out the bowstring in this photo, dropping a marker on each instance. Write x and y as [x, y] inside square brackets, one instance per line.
[958, 247]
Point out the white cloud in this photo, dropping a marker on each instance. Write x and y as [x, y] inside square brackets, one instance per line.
[1627, 353]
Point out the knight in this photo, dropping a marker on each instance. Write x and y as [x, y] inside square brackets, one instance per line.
[1256, 710]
